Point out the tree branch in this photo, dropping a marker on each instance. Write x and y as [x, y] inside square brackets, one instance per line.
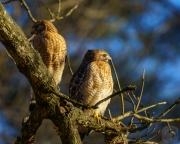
[129, 88]
[25, 6]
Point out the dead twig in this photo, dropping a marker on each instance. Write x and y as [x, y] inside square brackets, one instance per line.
[171, 131]
[25, 6]
[154, 120]
[58, 16]
[69, 65]
[48, 9]
[121, 95]
[131, 113]
[153, 136]
[28, 11]
[139, 100]
[170, 108]
[129, 88]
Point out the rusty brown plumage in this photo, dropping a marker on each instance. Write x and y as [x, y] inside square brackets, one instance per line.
[51, 46]
[92, 82]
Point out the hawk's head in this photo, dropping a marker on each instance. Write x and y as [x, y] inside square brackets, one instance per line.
[43, 25]
[96, 55]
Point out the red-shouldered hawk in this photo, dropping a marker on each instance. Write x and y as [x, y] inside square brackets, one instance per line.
[52, 48]
[92, 82]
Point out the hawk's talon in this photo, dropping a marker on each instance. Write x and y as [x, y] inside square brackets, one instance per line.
[97, 117]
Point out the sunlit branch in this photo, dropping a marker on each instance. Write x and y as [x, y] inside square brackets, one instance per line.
[69, 65]
[119, 86]
[129, 88]
[131, 113]
[142, 87]
[28, 11]
[170, 108]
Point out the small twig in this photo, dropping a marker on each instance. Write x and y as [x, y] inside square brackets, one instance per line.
[146, 134]
[142, 127]
[134, 105]
[151, 131]
[69, 65]
[68, 14]
[136, 99]
[169, 109]
[139, 100]
[129, 88]
[121, 95]
[153, 136]
[71, 100]
[59, 7]
[28, 11]
[110, 116]
[9, 55]
[31, 38]
[171, 131]
[130, 113]
[155, 119]
[48, 9]
[25, 6]
[57, 16]
[124, 97]
[144, 110]
[154, 105]
[136, 140]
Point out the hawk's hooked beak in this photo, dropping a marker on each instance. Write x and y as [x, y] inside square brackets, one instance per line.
[108, 57]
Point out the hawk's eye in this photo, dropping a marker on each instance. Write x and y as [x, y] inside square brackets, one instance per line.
[104, 55]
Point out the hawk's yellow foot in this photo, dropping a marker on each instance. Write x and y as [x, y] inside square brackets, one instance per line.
[97, 117]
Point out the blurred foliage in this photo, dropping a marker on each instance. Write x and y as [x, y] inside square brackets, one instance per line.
[141, 34]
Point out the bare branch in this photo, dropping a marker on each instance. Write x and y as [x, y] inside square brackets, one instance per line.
[155, 119]
[28, 11]
[25, 6]
[57, 17]
[171, 131]
[139, 100]
[69, 65]
[130, 113]
[121, 95]
[154, 136]
[109, 112]
[170, 108]
[48, 9]
[154, 105]
[59, 7]
[129, 88]
[134, 106]
[31, 125]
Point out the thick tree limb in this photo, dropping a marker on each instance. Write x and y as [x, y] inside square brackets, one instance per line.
[31, 125]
